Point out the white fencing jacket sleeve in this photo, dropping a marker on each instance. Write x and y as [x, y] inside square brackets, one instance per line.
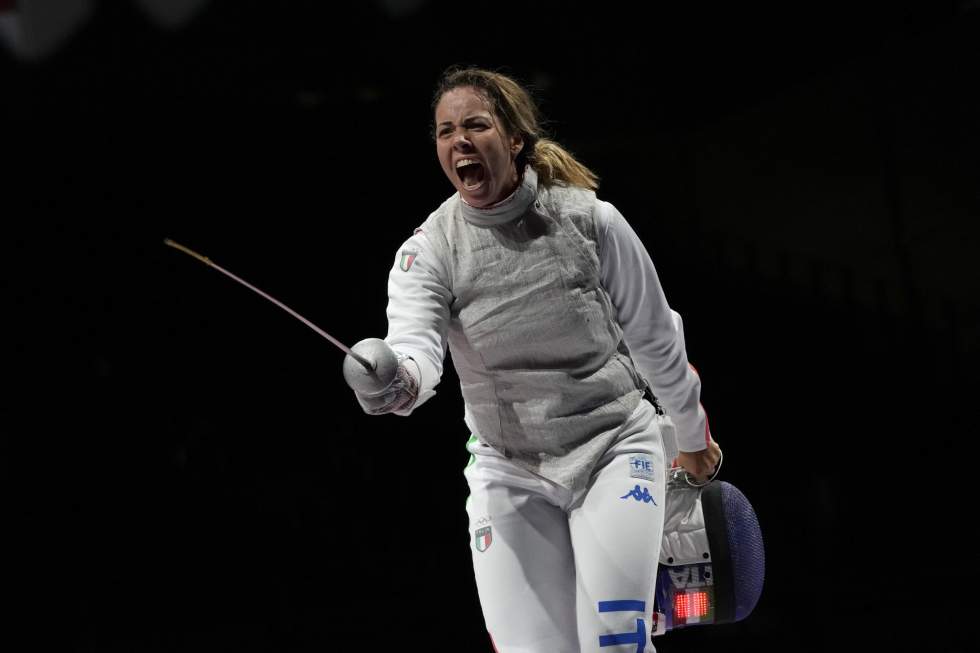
[652, 331]
[418, 313]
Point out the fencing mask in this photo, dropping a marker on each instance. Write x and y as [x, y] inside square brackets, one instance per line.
[712, 561]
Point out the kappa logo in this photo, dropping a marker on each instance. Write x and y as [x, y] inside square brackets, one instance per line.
[408, 257]
[640, 495]
[483, 538]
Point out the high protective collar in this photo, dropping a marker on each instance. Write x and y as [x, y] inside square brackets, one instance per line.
[508, 209]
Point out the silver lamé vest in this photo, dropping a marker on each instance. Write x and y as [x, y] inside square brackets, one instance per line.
[545, 375]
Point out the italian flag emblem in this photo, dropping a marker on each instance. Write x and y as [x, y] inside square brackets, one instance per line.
[408, 257]
[483, 539]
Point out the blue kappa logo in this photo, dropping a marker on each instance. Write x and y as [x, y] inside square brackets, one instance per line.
[640, 495]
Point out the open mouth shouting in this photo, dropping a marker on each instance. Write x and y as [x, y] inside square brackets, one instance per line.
[471, 173]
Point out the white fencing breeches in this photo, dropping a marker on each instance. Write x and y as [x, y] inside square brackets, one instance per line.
[564, 573]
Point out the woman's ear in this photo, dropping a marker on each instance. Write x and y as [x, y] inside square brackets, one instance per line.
[517, 144]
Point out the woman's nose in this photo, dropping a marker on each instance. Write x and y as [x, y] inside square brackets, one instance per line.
[461, 141]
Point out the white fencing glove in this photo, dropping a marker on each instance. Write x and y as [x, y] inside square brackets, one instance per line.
[389, 387]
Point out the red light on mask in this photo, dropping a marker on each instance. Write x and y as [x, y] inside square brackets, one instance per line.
[690, 606]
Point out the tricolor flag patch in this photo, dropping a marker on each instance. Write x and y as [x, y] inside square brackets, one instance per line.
[408, 257]
[483, 537]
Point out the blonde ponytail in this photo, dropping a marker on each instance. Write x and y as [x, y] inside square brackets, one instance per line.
[553, 163]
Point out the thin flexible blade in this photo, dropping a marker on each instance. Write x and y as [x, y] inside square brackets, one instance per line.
[344, 348]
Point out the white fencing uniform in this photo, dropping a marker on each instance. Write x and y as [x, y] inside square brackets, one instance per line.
[557, 324]
[566, 571]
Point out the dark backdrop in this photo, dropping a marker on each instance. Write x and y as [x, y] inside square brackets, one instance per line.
[185, 467]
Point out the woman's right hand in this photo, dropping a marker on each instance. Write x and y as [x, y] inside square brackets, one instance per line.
[388, 386]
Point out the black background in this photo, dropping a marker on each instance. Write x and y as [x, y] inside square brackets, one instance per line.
[186, 469]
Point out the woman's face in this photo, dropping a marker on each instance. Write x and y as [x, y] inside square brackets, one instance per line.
[474, 152]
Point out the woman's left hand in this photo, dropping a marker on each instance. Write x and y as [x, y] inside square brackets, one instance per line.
[701, 464]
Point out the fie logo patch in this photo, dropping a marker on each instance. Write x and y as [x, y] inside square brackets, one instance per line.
[641, 466]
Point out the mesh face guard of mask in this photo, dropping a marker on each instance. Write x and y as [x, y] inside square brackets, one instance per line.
[712, 560]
